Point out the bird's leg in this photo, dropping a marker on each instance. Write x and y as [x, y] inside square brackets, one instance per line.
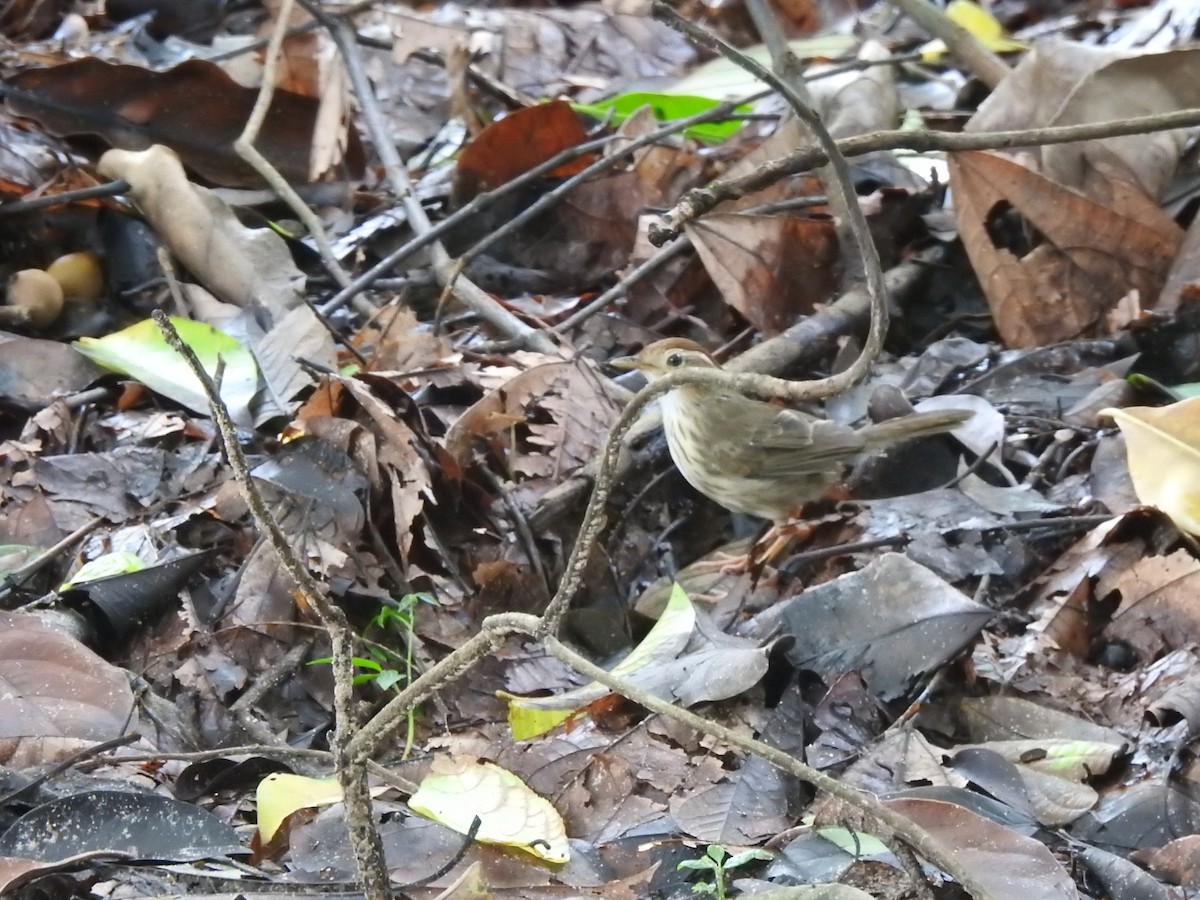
[782, 536]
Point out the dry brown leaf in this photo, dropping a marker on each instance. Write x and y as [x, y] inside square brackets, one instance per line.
[399, 458]
[1176, 863]
[195, 108]
[580, 403]
[1158, 608]
[771, 269]
[1090, 256]
[517, 143]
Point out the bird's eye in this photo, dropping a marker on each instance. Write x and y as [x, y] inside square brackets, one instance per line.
[675, 360]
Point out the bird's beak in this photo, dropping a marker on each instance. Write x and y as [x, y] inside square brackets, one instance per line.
[626, 363]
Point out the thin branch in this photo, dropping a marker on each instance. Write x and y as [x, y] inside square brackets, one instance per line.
[905, 828]
[244, 147]
[470, 294]
[368, 853]
[841, 186]
[108, 189]
[699, 201]
[982, 62]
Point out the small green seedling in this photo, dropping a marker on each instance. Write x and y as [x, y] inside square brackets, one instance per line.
[719, 863]
[386, 668]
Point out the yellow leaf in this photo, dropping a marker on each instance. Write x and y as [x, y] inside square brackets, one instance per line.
[1162, 446]
[456, 790]
[279, 795]
[982, 25]
[666, 639]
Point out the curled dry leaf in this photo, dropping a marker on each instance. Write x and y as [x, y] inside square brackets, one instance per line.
[243, 266]
[1163, 452]
[580, 406]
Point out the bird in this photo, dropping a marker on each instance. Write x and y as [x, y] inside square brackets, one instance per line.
[753, 457]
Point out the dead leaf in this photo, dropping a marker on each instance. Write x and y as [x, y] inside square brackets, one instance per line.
[50, 684]
[580, 405]
[1009, 864]
[194, 108]
[1158, 608]
[1176, 863]
[1088, 256]
[771, 269]
[515, 144]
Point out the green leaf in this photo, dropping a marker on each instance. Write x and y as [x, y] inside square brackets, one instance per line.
[388, 679]
[105, 567]
[666, 108]
[740, 859]
[141, 352]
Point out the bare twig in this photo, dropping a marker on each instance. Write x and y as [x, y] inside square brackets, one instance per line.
[628, 280]
[470, 294]
[242, 708]
[19, 576]
[481, 202]
[244, 147]
[79, 756]
[699, 201]
[108, 189]
[368, 852]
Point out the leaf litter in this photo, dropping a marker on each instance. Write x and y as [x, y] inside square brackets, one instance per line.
[994, 632]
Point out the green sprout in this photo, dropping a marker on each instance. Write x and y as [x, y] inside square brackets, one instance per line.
[384, 666]
[717, 861]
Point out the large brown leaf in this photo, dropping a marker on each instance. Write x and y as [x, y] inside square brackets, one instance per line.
[1088, 257]
[195, 109]
[50, 684]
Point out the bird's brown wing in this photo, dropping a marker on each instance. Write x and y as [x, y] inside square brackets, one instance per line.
[784, 442]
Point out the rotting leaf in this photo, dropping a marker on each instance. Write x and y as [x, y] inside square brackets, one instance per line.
[1162, 445]
[582, 405]
[137, 825]
[980, 24]
[195, 109]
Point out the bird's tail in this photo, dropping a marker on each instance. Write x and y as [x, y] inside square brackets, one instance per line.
[917, 425]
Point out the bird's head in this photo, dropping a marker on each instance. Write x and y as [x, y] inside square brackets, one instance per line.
[664, 357]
